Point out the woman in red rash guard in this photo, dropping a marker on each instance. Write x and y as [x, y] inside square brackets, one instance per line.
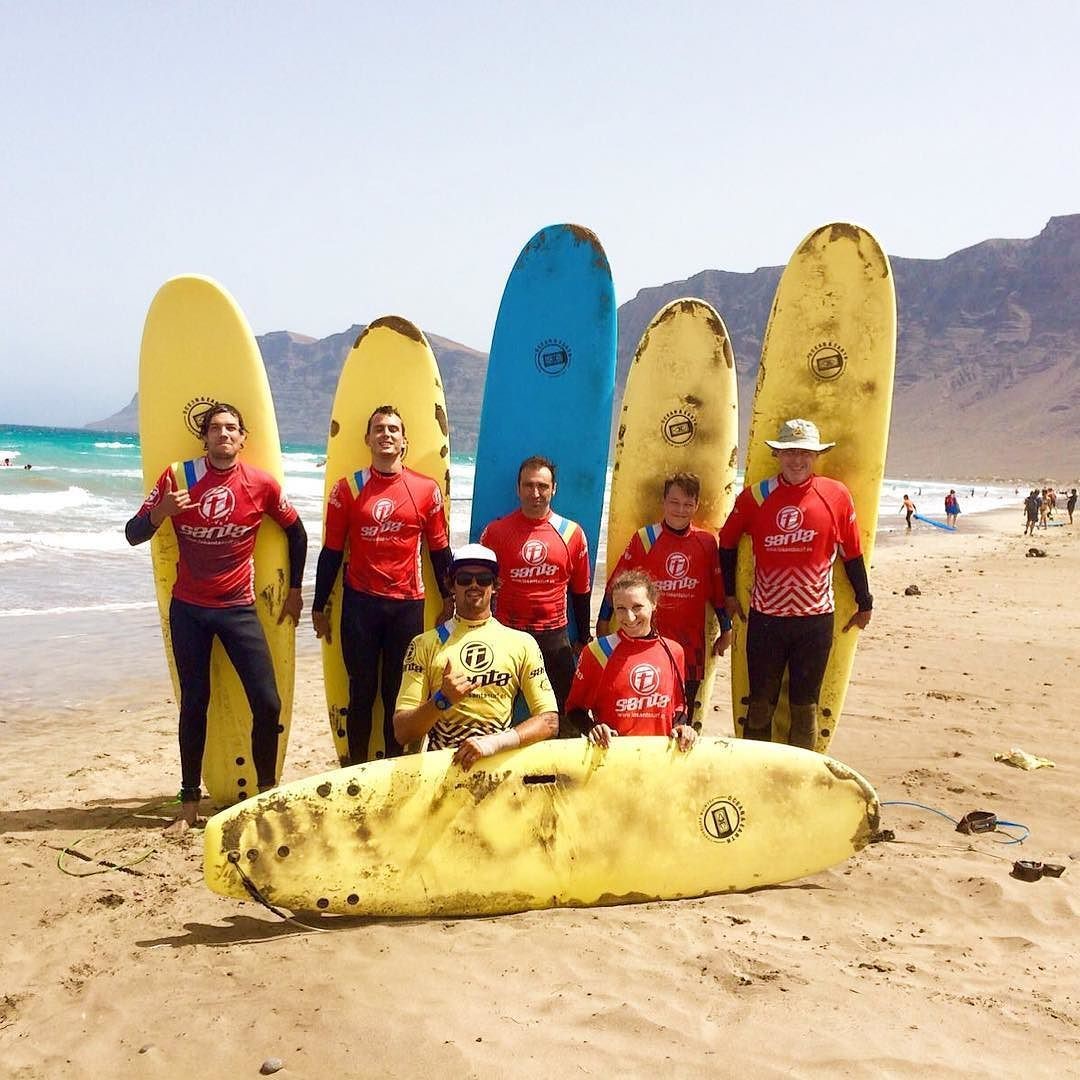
[631, 682]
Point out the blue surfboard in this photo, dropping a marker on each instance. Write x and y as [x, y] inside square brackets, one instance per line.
[938, 524]
[550, 380]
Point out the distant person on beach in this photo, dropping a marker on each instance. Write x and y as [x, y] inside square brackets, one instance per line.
[383, 513]
[1044, 508]
[952, 508]
[1031, 512]
[798, 523]
[544, 558]
[909, 508]
[1070, 505]
[460, 679]
[216, 504]
[632, 682]
[681, 560]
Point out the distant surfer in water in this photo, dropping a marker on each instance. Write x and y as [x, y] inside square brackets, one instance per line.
[461, 678]
[681, 559]
[544, 558]
[909, 508]
[632, 682]
[382, 513]
[798, 523]
[217, 504]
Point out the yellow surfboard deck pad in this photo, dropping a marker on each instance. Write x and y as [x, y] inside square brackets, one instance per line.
[680, 413]
[828, 356]
[556, 824]
[391, 363]
[198, 350]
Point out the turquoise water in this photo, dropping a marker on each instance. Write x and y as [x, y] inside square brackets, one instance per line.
[78, 616]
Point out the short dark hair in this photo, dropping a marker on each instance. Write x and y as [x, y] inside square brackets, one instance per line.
[217, 410]
[688, 481]
[631, 579]
[537, 461]
[385, 410]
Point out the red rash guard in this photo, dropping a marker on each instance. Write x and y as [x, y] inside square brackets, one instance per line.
[797, 531]
[216, 534]
[383, 517]
[538, 560]
[630, 684]
[686, 570]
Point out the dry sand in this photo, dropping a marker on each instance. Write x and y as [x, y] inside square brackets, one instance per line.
[918, 956]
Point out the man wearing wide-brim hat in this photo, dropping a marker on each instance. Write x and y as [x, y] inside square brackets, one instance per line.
[798, 523]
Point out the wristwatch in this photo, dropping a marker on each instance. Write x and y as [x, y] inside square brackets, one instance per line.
[442, 702]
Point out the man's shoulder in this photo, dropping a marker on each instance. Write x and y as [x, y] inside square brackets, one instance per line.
[828, 485]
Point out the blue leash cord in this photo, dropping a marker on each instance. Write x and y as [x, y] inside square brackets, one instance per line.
[941, 813]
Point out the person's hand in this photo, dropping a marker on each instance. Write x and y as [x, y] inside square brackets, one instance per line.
[601, 735]
[172, 503]
[482, 746]
[447, 611]
[321, 622]
[722, 643]
[293, 607]
[685, 736]
[859, 619]
[455, 685]
[733, 608]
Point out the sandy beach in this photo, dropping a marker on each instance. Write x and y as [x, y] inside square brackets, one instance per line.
[920, 954]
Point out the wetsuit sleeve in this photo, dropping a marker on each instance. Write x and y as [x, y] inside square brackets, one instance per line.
[582, 686]
[415, 688]
[441, 561]
[337, 516]
[856, 572]
[535, 684]
[140, 528]
[582, 616]
[296, 537]
[326, 571]
[729, 558]
[737, 523]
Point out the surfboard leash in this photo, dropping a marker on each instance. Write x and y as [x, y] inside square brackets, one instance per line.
[253, 891]
[973, 822]
[107, 865]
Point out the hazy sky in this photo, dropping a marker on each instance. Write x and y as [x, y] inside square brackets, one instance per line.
[332, 162]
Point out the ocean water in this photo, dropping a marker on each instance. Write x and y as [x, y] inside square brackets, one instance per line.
[78, 617]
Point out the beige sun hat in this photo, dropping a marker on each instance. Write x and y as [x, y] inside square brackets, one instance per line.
[799, 435]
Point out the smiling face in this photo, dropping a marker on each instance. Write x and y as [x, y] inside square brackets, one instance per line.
[634, 610]
[679, 507]
[224, 439]
[536, 489]
[796, 466]
[474, 586]
[385, 439]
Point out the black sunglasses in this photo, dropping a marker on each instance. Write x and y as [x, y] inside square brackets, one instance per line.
[464, 578]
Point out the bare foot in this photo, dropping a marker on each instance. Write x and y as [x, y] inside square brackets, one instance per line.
[188, 818]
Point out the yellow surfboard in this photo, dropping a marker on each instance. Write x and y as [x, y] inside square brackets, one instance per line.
[391, 363]
[198, 350]
[680, 412]
[828, 356]
[556, 824]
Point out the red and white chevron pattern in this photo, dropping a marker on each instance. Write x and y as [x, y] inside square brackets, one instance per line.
[793, 591]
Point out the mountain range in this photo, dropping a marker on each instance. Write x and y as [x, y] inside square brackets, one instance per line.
[987, 366]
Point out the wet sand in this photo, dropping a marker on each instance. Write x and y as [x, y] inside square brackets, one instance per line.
[918, 954]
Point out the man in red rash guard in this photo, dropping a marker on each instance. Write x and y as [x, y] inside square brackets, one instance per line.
[682, 559]
[216, 504]
[798, 523]
[632, 681]
[383, 513]
[543, 555]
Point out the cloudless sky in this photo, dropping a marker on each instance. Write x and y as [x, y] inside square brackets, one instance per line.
[332, 162]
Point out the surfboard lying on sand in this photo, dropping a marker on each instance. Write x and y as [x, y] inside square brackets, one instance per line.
[550, 379]
[680, 412]
[198, 350]
[828, 356]
[391, 363]
[556, 824]
[937, 524]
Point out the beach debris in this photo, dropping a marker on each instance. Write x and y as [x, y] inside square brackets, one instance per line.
[271, 1066]
[1026, 870]
[1021, 759]
[913, 590]
[1036, 553]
